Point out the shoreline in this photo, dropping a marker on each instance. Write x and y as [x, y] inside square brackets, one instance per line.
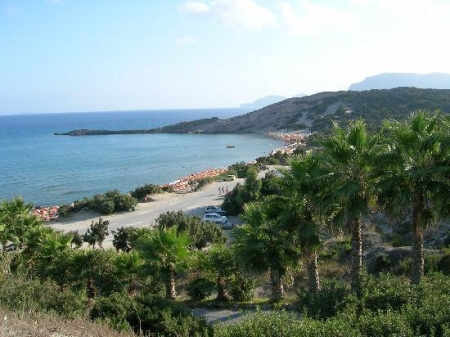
[188, 184]
[147, 212]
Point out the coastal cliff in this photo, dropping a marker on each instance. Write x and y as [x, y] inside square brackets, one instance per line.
[315, 113]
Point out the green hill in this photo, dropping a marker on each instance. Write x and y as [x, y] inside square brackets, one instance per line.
[316, 112]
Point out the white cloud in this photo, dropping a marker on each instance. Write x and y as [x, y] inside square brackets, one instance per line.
[196, 7]
[410, 38]
[234, 13]
[187, 39]
[314, 18]
[245, 13]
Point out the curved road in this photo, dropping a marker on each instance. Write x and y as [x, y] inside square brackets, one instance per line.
[191, 203]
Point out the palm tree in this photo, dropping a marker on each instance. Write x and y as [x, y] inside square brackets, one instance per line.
[221, 260]
[42, 244]
[168, 251]
[262, 246]
[348, 157]
[128, 266]
[414, 176]
[15, 220]
[53, 243]
[94, 269]
[49, 254]
[299, 210]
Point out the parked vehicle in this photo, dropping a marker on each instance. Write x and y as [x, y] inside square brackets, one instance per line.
[214, 217]
[220, 220]
[226, 225]
[215, 209]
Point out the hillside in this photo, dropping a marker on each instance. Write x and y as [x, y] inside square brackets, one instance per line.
[315, 112]
[394, 80]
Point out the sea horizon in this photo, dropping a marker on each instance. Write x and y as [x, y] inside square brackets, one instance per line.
[45, 169]
[21, 113]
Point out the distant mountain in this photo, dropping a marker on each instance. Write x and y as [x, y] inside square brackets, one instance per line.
[395, 80]
[264, 101]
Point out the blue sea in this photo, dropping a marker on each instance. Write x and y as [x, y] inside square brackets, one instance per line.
[46, 169]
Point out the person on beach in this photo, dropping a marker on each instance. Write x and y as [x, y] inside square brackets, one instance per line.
[220, 190]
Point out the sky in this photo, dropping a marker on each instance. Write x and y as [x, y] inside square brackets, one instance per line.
[103, 55]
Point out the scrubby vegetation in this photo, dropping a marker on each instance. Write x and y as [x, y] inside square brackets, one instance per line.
[142, 191]
[107, 203]
[300, 248]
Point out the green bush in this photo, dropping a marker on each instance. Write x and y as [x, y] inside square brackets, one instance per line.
[429, 313]
[240, 169]
[241, 194]
[22, 295]
[107, 203]
[203, 182]
[78, 205]
[202, 233]
[388, 324]
[105, 207]
[149, 315]
[142, 191]
[432, 262]
[116, 309]
[444, 265]
[200, 288]
[124, 203]
[325, 303]
[284, 324]
[232, 202]
[122, 238]
[241, 288]
[386, 292]
[269, 185]
[404, 267]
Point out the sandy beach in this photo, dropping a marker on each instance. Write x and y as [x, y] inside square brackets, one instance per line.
[190, 203]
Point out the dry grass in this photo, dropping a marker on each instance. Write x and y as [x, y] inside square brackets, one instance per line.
[46, 325]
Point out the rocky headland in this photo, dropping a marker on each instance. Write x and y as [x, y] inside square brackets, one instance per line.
[313, 113]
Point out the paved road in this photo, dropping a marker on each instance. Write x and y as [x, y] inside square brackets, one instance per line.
[191, 203]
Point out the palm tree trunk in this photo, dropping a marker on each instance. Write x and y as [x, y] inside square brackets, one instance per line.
[91, 291]
[313, 271]
[277, 285]
[170, 285]
[221, 290]
[132, 287]
[418, 263]
[356, 258]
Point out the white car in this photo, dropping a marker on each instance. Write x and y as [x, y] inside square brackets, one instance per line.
[220, 220]
[214, 217]
[215, 209]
